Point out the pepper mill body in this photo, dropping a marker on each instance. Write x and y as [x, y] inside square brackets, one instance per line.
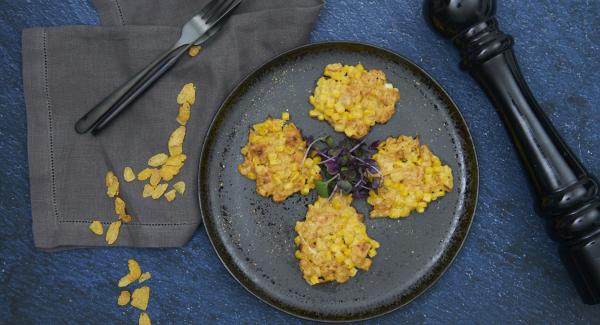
[568, 195]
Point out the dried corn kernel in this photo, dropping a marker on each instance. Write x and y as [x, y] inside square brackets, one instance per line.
[128, 174]
[274, 157]
[194, 50]
[145, 276]
[179, 187]
[119, 206]
[148, 190]
[333, 242]
[140, 297]
[187, 94]
[96, 228]
[113, 232]
[413, 177]
[170, 195]
[159, 190]
[112, 184]
[145, 174]
[124, 298]
[157, 160]
[352, 99]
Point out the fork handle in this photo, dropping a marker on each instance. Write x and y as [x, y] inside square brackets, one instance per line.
[99, 116]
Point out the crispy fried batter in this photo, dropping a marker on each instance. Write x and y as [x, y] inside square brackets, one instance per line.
[274, 156]
[333, 242]
[353, 99]
[413, 177]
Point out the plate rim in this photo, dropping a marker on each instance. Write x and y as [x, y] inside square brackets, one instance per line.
[470, 213]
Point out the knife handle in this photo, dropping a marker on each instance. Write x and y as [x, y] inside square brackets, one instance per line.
[569, 197]
[104, 112]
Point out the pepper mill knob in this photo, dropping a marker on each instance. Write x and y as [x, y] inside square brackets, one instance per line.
[568, 196]
[451, 17]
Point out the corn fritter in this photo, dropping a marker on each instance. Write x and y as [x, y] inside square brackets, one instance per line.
[274, 157]
[413, 177]
[333, 242]
[353, 99]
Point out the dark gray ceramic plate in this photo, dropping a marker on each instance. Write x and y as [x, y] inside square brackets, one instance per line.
[254, 236]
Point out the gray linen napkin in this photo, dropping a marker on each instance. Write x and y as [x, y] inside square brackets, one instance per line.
[66, 70]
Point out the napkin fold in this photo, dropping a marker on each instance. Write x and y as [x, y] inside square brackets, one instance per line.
[67, 70]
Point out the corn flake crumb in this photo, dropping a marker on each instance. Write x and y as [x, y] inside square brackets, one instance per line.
[140, 297]
[128, 174]
[194, 50]
[157, 160]
[170, 195]
[145, 276]
[119, 206]
[144, 319]
[124, 298]
[159, 190]
[145, 174]
[148, 190]
[155, 178]
[96, 228]
[113, 232]
[187, 94]
[112, 184]
[179, 187]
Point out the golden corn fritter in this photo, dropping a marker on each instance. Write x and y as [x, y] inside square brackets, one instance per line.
[333, 242]
[273, 157]
[353, 99]
[413, 177]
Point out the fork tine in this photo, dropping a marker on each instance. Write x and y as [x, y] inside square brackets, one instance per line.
[224, 10]
[209, 6]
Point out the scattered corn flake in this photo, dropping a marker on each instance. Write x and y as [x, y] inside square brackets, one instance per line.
[194, 50]
[140, 297]
[167, 172]
[175, 160]
[285, 116]
[145, 276]
[159, 190]
[148, 190]
[124, 298]
[175, 150]
[135, 271]
[96, 228]
[179, 187]
[128, 174]
[157, 160]
[170, 195]
[155, 178]
[176, 138]
[187, 94]
[145, 174]
[126, 218]
[144, 319]
[119, 206]
[113, 232]
[125, 281]
[112, 184]
[184, 114]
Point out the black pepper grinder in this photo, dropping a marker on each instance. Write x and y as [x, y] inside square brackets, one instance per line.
[569, 197]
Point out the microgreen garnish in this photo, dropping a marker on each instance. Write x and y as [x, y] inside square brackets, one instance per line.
[348, 167]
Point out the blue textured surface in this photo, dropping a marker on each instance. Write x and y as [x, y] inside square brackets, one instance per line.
[508, 270]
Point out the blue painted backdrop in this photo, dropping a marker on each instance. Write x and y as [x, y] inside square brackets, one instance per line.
[508, 270]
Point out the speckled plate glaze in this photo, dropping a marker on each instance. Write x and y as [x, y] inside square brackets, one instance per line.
[253, 236]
